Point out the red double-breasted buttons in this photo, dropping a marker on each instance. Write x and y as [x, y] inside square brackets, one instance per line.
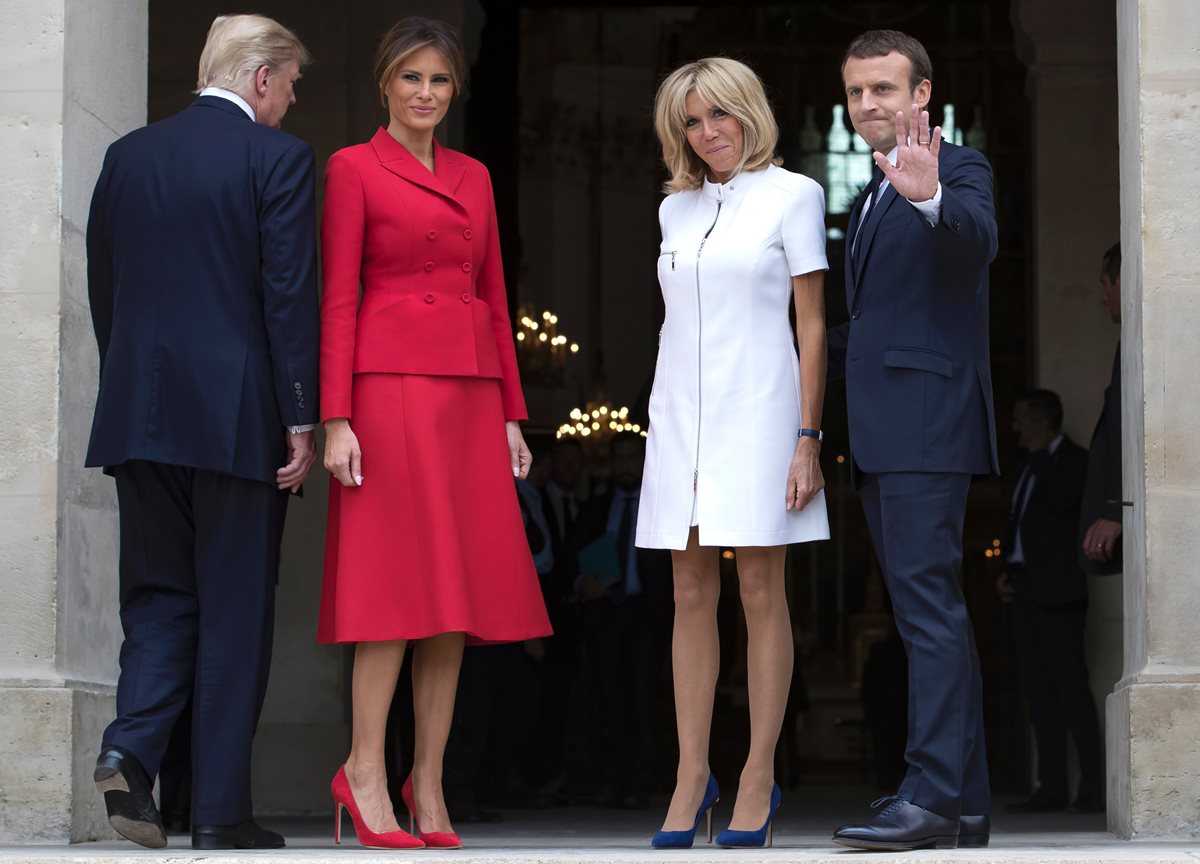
[466, 298]
[428, 266]
[428, 298]
[467, 234]
[431, 234]
[466, 266]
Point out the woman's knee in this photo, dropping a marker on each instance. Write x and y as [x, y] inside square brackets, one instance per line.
[696, 588]
[760, 583]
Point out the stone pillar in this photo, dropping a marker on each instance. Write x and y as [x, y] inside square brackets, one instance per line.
[72, 79]
[1154, 784]
[1070, 49]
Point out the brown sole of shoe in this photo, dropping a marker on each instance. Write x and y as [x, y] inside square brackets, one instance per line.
[123, 813]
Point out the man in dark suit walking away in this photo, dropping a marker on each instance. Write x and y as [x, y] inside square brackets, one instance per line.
[1100, 519]
[202, 282]
[1048, 591]
[919, 397]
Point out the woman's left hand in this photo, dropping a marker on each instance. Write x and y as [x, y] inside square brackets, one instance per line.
[804, 479]
[518, 451]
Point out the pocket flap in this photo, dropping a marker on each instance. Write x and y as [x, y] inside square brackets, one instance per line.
[918, 358]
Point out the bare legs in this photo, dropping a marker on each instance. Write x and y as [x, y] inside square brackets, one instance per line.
[695, 666]
[769, 655]
[436, 663]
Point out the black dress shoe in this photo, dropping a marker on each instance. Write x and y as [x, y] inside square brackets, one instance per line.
[128, 797]
[1039, 802]
[974, 832]
[243, 835]
[900, 826]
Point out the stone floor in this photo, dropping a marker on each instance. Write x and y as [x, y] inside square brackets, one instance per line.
[585, 835]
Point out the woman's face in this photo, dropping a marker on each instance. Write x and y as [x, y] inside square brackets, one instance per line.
[715, 136]
[420, 91]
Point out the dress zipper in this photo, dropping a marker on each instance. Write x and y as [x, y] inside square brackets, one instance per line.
[699, 362]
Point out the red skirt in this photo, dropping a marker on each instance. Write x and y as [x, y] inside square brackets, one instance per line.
[432, 542]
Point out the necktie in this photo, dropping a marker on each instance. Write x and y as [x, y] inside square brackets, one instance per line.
[1022, 492]
[868, 209]
[624, 536]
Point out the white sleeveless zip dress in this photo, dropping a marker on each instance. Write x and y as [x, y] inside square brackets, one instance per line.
[725, 405]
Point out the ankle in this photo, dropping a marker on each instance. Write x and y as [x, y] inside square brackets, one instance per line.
[365, 775]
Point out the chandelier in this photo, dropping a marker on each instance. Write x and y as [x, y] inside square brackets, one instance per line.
[599, 421]
[542, 351]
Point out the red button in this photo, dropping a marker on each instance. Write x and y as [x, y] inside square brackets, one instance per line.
[432, 235]
[466, 266]
[466, 298]
[428, 298]
[428, 266]
[467, 234]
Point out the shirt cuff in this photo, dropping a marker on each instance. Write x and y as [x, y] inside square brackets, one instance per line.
[307, 427]
[931, 209]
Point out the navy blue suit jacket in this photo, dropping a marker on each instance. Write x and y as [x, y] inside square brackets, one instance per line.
[202, 280]
[915, 351]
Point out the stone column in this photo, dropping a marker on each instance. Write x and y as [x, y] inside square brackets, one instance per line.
[72, 79]
[1154, 714]
[1070, 49]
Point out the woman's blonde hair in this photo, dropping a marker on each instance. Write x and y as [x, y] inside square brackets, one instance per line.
[412, 34]
[237, 45]
[732, 86]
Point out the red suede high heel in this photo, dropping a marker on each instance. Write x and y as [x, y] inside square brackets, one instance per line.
[344, 798]
[431, 839]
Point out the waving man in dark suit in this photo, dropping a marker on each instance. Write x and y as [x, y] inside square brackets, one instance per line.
[201, 277]
[919, 395]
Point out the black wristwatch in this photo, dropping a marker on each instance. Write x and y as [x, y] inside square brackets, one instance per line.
[811, 433]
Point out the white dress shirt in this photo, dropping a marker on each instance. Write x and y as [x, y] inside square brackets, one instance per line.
[931, 209]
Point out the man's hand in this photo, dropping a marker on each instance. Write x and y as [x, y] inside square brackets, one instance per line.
[589, 587]
[804, 478]
[302, 453]
[518, 451]
[343, 457]
[915, 174]
[1100, 539]
[1004, 588]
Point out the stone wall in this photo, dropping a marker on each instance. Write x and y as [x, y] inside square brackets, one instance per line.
[72, 79]
[1155, 711]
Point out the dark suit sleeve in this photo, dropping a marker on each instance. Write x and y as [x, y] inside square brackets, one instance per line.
[287, 235]
[968, 212]
[1113, 491]
[836, 340]
[100, 263]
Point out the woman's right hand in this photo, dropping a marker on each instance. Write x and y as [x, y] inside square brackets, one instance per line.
[343, 457]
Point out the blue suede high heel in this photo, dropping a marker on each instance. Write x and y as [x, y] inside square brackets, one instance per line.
[730, 838]
[684, 839]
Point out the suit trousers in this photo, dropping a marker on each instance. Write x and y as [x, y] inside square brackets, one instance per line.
[623, 648]
[916, 522]
[198, 567]
[1050, 651]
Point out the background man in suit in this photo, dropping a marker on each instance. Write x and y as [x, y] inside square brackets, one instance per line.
[1048, 591]
[625, 622]
[201, 277]
[919, 397]
[1100, 516]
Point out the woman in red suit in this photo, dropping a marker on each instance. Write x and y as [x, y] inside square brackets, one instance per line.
[421, 403]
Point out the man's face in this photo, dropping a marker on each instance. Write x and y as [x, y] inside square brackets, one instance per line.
[1110, 294]
[280, 94]
[628, 460]
[1033, 433]
[566, 464]
[877, 88]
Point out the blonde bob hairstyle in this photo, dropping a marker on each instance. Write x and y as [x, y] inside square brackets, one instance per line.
[732, 86]
[237, 45]
[412, 34]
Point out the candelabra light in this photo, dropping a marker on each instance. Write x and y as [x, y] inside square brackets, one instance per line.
[542, 351]
[599, 421]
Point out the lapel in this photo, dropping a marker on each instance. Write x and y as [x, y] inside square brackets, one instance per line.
[868, 234]
[855, 215]
[395, 158]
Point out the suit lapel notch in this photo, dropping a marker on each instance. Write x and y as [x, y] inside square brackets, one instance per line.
[396, 159]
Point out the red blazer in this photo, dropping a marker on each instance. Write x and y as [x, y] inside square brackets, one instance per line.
[426, 251]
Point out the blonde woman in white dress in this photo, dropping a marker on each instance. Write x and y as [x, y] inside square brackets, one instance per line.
[735, 414]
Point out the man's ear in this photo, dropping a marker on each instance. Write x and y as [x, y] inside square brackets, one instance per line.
[922, 92]
[261, 74]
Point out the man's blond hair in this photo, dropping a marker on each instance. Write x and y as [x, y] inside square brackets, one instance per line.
[237, 45]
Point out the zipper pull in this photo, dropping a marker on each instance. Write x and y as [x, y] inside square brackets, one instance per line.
[695, 479]
[672, 261]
